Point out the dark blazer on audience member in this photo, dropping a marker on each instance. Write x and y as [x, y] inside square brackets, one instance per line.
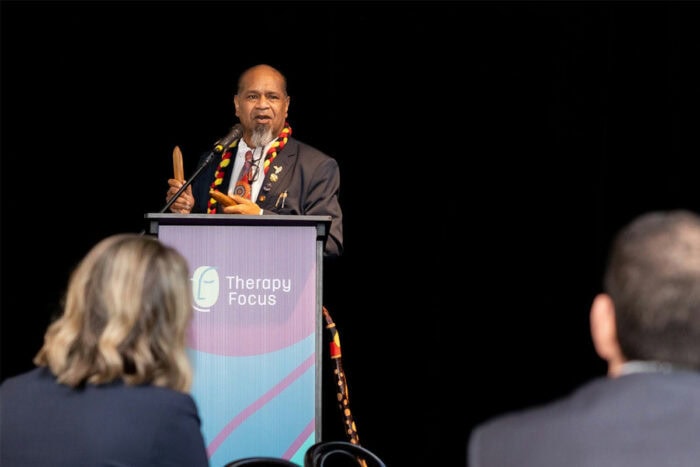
[636, 420]
[42, 423]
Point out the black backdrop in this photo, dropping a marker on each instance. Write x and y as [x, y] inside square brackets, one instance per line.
[488, 151]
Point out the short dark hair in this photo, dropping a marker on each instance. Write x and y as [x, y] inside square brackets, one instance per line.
[653, 278]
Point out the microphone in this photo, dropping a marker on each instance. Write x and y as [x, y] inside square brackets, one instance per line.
[223, 144]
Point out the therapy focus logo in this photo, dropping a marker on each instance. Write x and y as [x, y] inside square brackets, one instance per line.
[238, 290]
[205, 288]
[248, 312]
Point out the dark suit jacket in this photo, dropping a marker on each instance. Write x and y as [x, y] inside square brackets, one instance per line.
[637, 420]
[307, 179]
[44, 423]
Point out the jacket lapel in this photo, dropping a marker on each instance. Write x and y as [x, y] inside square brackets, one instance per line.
[278, 177]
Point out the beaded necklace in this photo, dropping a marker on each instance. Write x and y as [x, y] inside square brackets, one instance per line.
[277, 146]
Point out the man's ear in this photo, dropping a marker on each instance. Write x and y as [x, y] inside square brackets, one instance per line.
[604, 333]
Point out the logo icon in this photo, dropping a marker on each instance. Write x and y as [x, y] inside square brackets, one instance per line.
[205, 288]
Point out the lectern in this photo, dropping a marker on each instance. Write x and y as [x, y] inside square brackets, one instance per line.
[256, 336]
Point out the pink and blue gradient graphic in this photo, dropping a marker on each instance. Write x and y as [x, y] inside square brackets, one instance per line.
[252, 341]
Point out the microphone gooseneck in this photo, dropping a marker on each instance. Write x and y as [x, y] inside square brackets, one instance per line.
[221, 145]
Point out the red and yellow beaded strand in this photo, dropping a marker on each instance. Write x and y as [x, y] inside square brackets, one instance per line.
[277, 146]
[219, 176]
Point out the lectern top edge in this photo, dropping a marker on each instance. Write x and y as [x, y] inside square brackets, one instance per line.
[153, 220]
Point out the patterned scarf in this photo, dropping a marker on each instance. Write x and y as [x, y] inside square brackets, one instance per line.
[275, 148]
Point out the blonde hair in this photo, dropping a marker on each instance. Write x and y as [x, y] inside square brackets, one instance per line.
[126, 313]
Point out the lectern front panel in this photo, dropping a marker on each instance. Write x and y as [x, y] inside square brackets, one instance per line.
[254, 337]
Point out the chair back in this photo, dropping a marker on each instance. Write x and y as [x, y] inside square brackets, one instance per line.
[261, 461]
[340, 454]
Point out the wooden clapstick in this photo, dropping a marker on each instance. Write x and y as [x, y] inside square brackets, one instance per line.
[178, 169]
[222, 198]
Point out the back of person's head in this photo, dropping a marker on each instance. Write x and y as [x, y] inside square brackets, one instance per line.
[125, 317]
[653, 278]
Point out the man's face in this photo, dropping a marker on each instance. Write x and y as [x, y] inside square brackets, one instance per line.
[261, 105]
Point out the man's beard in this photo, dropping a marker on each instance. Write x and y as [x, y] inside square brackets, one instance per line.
[262, 134]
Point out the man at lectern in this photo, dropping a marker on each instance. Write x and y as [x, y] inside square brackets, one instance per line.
[259, 168]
